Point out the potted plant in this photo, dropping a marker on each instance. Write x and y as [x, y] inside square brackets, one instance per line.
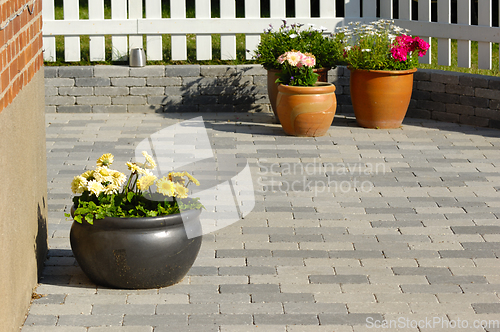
[127, 235]
[326, 49]
[305, 106]
[382, 59]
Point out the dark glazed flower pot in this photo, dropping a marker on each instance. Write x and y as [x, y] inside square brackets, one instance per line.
[135, 253]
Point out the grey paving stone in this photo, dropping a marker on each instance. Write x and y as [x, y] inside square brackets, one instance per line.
[154, 320]
[51, 299]
[428, 271]
[338, 279]
[44, 320]
[221, 319]
[282, 297]
[189, 328]
[467, 254]
[315, 308]
[246, 270]
[231, 253]
[457, 280]
[481, 246]
[203, 271]
[90, 320]
[249, 289]
[433, 289]
[350, 319]
[117, 309]
[189, 309]
[358, 254]
[300, 253]
[475, 229]
[296, 238]
[486, 308]
[286, 319]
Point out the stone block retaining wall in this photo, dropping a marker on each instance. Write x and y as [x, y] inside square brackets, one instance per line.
[440, 95]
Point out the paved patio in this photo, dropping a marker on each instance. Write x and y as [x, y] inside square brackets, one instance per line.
[401, 225]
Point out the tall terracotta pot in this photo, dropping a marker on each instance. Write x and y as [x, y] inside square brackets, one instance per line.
[380, 98]
[306, 110]
[272, 86]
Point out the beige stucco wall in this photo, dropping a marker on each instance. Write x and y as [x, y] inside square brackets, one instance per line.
[23, 201]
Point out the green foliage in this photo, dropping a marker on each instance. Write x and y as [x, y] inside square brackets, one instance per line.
[274, 43]
[128, 205]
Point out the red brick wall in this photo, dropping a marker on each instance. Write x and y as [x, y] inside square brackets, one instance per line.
[20, 46]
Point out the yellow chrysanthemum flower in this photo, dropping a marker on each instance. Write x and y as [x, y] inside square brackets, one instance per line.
[177, 177]
[89, 175]
[105, 160]
[165, 187]
[103, 174]
[118, 178]
[95, 187]
[180, 190]
[111, 189]
[78, 185]
[132, 166]
[192, 178]
[149, 160]
[145, 182]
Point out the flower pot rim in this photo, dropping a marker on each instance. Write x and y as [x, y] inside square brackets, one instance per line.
[142, 222]
[391, 72]
[319, 87]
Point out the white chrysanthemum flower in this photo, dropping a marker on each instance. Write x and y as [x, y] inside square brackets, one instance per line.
[293, 35]
[118, 178]
[79, 184]
[95, 187]
[180, 190]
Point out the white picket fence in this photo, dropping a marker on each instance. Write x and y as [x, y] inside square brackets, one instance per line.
[127, 26]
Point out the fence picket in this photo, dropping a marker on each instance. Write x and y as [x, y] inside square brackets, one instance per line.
[463, 46]
[369, 8]
[252, 10]
[424, 15]
[71, 44]
[405, 10]
[352, 9]
[135, 12]
[327, 9]
[179, 45]
[302, 9]
[49, 42]
[484, 48]
[203, 41]
[227, 41]
[444, 44]
[96, 43]
[119, 44]
[386, 9]
[277, 8]
[154, 47]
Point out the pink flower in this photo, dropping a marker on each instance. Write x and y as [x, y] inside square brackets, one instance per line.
[309, 61]
[421, 45]
[399, 53]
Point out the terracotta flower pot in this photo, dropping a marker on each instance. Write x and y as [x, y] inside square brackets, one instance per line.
[306, 110]
[272, 87]
[380, 98]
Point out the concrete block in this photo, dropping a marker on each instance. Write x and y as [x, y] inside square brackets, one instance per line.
[463, 90]
[59, 100]
[111, 71]
[93, 81]
[445, 77]
[148, 71]
[76, 91]
[430, 86]
[487, 93]
[487, 113]
[446, 98]
[144, 108]
[221, 70]
[474, 121]
[111, 91]
[51, 91]
[132, 81]
[128, 100]
[474, 101]
[59, 82]
[49, 71]
[165, 100]
[163, 81]
[76, 71]
[418, 113]
[182, 70]
[180, 108]
[109, 109]
[74, 109]
[460, 109]
[422, 75]
[93, 100]
[251, 70]
[143, 91]
[476, 81]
